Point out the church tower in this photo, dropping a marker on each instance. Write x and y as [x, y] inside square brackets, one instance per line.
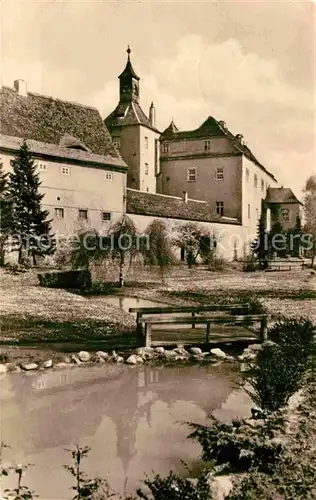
[133, 133]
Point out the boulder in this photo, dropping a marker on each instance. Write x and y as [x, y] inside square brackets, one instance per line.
[3, 368]
[145, 352]
[170, 354]
[102, 355]
[134, 360]
[182, 352]
[48, 363]
[84, 356]
[67, 359]
[29, 366]
[75, 359]
[198, 357]
[218, 353]
[159, 350]
[255, 347]
[221, 486]
[119, 359]
[195, 350]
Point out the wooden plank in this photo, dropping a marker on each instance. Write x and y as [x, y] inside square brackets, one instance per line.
[192, 309]
[203, 320]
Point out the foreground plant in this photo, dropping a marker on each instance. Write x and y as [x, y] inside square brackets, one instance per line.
[282, 363]
[85, 487]
[175, 488]
[241, 445]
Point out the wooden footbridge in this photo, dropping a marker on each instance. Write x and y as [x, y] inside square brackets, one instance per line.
[198, 324]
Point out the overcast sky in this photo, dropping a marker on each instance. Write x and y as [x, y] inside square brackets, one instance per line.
[251, 64]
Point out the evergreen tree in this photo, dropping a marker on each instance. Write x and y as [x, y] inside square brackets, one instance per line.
[29, 221]
[5, 212]
[260, 247]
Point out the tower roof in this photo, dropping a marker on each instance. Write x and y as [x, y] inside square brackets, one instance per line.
[129, 70]
[170, 130]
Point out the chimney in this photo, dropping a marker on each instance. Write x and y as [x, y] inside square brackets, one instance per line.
[152, 115]
[185, 196]
[20, 87]
[222, 123]
[240, 138]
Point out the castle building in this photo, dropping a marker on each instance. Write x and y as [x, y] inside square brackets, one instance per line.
[94, 170]
[134, 134]
[212, 164]
[82, 174]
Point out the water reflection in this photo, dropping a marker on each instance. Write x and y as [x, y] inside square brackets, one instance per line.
[128, 417]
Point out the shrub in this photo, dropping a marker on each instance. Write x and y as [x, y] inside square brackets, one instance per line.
[175, 488]
[249, 264]
[274, 378]
[296, 338]
[281, 365]
[239, 446]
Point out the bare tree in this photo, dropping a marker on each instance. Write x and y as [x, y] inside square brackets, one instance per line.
[310, 216]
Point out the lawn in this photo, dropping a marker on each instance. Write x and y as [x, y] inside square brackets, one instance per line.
[30, 313]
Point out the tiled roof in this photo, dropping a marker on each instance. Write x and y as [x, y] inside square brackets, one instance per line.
[47, 120]
[128, 113]
[281, 195]
[158, 205]
[212, 128]
[12, 144]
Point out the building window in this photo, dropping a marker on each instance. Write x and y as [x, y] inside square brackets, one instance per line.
[207, 145]
[285, 215]
[83, 214]
[146, 168]
[116, 142]
[42, 167]
[191, 174]
[106, 216]
[262, 185]
[255, 180]
[165, 148]
[59, 213]
[220, 173]
[65, 170]
[146, 142]
[220, 208]
[247, 174]
[109, 176]
[249, 211]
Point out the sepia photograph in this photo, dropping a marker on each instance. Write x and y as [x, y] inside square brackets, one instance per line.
[157, 249]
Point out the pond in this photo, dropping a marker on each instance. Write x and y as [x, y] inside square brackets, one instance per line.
[131, 417]
[125, 302]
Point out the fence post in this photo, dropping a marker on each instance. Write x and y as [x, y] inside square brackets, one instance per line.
[148, 335]
[264, 329]
[208, 329]
[139, 328]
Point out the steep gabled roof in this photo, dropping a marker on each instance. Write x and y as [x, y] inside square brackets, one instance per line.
[128, 113]
[159, 205]
[281, 195]
[47, 119]
[212, 128]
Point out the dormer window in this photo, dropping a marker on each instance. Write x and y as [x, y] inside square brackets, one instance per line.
[71, 142]
[117, 142]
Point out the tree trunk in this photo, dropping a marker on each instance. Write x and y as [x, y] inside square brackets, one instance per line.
[122, 266]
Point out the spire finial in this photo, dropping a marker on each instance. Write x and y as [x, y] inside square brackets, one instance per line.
[128, 51]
